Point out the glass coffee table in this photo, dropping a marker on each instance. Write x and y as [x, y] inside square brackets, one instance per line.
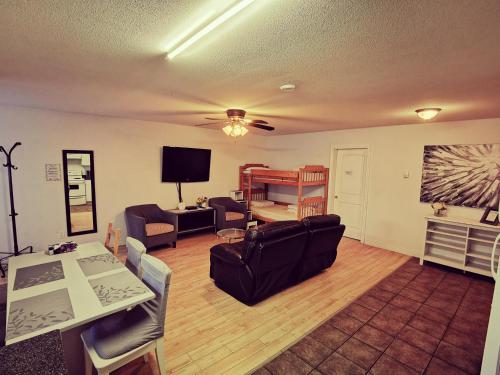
[231, 234]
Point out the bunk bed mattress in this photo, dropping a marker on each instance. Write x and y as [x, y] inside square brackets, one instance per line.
[277, 212]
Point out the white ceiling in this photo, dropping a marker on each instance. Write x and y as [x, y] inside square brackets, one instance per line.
[355, 63]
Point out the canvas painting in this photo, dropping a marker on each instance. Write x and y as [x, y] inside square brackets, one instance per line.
[461, 175]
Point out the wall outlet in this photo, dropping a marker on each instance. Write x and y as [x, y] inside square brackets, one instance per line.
[60, 235]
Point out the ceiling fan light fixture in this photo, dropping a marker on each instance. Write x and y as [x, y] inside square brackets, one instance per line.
[227, 129]
[427, 113]
[235, 129]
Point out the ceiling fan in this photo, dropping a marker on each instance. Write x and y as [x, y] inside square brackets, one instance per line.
[235, 124]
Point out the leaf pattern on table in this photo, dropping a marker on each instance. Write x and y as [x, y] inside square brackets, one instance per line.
[21, 323]
[109, 295]
[105, 258]
[35, 313]
[117, 287]
[99, 263]
[39, 274]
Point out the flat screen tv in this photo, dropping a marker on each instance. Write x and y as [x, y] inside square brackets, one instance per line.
[182, 164]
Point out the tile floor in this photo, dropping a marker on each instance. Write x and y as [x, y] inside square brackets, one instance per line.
[418, 320]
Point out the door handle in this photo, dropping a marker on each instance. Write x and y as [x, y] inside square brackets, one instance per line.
[336, 197]
[493, 251]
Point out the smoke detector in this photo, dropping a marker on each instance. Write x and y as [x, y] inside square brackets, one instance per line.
[287, 87]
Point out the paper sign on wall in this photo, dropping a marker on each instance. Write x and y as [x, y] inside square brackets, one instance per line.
[53, 172]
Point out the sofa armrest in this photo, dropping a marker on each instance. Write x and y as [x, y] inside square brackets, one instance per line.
[136, 227]
[228, 253]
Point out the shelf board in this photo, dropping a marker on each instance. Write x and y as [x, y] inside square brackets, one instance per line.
[444, 261]
[446, 233]
[456, 248]
[481, 240]
[479, 256]
[463, 222]
[481, 271]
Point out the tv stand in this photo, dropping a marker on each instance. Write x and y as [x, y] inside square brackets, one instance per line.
[189, 221]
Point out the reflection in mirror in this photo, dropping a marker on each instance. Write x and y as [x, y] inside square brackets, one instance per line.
[79, 190]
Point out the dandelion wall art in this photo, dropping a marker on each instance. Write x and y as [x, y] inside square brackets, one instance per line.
[461, 175]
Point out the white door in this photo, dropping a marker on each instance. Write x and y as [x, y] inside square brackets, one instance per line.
[349, 190]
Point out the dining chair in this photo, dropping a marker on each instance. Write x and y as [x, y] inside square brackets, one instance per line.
[135, 251]
[120, 338]
[116, 234]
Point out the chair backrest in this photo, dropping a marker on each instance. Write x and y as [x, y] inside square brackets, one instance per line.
[156, 275]
[149, 212]
[220, 200]
[227, 202]
[112, 232]
[135, 252]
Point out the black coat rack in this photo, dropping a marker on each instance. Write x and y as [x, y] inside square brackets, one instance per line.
[13, 212]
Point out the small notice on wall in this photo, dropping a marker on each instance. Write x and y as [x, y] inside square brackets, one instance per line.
[53, 172]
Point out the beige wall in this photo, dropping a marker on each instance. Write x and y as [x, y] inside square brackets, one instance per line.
[127, 168]
[394, 213]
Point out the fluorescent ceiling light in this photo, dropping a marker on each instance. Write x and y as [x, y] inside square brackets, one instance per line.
[189, 31]
[212, 25]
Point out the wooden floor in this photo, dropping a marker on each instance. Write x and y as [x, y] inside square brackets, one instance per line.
[209, 332]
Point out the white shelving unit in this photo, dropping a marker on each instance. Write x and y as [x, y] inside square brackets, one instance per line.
[460, 243]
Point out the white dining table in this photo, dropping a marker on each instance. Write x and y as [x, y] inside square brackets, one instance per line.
[86, 294]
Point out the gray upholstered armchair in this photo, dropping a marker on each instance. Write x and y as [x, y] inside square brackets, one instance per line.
[151, 225]
[229, 213]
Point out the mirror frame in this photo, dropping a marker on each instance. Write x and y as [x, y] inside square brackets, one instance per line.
[66, 192]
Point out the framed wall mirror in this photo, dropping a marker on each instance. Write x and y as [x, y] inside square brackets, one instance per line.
[79, 192]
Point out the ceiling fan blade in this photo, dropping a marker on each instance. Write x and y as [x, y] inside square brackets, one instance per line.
[262, 122]
[293, 118]
[215, 119]
[260, 126]
[206, 124]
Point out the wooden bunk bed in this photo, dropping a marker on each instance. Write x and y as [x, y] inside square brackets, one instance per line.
[256, 178]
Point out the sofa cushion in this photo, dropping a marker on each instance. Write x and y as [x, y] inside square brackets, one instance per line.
[231, 215]
[154, 229]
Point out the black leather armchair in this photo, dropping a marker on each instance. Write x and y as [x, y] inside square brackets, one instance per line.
[151, 225]
[229, 213]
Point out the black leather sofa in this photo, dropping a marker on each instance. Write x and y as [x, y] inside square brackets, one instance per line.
[275, 256]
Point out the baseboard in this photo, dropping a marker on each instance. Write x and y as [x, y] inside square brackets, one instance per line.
[383, 243]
